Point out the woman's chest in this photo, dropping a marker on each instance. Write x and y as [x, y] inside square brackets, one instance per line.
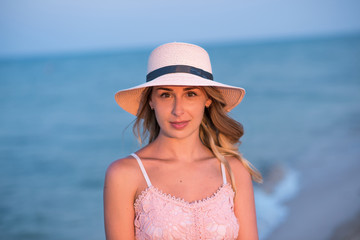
[162, 216]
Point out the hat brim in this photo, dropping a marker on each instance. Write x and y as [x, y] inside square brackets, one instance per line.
[129, 99]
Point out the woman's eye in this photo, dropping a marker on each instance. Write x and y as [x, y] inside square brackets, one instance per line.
[165, 95]
[191, 94]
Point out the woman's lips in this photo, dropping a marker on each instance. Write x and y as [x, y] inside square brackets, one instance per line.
[179, 125]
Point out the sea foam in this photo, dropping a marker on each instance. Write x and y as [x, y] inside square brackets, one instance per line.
[271, 207]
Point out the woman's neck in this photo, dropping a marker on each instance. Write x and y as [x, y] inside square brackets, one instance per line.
[187, 149]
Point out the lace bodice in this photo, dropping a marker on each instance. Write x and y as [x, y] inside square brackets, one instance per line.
[161, 216]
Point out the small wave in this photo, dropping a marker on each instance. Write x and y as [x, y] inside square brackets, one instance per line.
[270, 207]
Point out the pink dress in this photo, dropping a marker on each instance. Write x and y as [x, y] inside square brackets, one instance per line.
[162, 216]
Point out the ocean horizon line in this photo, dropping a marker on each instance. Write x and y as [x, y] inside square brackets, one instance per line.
[108, 51]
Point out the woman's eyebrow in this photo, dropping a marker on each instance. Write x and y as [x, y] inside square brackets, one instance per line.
[190, 88]
[169, 89]
[163, 88]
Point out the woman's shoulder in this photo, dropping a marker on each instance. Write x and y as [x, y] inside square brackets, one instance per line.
[239, 170]
[123, 171]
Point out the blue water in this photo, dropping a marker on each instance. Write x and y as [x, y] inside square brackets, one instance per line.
[60, 126]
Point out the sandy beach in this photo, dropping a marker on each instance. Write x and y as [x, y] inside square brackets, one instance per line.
[328, 203]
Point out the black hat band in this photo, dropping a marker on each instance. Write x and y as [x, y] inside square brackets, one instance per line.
[178, 69]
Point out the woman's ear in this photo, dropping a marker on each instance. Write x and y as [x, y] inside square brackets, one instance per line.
[151, 105]
[208, 103]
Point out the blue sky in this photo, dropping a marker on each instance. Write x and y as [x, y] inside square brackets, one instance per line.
[33, 27]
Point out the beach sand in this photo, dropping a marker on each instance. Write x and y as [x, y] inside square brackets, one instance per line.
[328, 204]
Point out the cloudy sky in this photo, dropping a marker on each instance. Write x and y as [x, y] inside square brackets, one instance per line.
[33, 27]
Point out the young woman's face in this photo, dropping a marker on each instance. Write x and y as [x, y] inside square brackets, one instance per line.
[179, 109]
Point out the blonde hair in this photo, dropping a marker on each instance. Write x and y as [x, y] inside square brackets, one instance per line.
[218, 132]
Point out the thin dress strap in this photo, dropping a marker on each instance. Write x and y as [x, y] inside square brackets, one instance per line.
[223, 173]
[142, 169]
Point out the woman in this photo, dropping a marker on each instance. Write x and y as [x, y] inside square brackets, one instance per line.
[189, 181]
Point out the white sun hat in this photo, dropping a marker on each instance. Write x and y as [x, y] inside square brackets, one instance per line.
[178, 64]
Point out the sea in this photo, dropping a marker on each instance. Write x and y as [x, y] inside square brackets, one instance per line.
[60, 126]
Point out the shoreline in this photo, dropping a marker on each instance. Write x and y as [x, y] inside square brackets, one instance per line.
[329, 197]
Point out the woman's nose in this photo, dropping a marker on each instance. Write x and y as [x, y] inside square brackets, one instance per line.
[178, 107]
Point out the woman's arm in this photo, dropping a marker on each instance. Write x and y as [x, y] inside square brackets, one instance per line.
[119, 192]
[244, 203]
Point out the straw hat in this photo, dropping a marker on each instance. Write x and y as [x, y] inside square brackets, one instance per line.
[178, 64]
